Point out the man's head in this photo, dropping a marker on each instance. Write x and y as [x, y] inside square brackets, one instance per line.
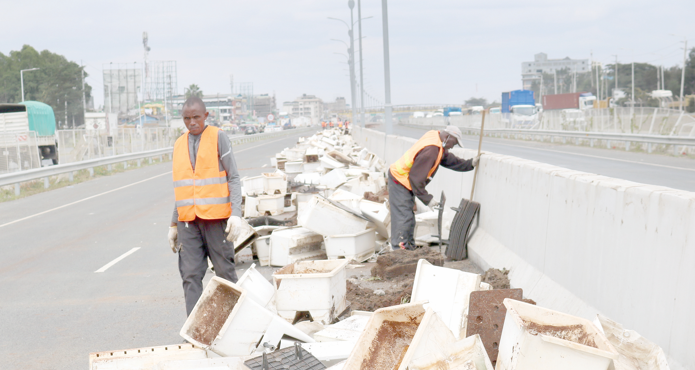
[452, 136]
[194, 115]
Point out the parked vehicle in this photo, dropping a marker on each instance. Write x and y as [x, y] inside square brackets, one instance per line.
[517, 97]
[580, 100]
[419, 115]
[250, 130]
[24, 118]
[446, 112]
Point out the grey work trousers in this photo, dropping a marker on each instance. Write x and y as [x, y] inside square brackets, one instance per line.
[201, 239]
[401, 202]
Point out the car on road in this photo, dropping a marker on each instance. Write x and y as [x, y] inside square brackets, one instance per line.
[250, 130]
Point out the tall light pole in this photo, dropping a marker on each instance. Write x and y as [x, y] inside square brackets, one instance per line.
[359, 19]
[388, 120]
[21, 77]
[685, 51]
[351, 5]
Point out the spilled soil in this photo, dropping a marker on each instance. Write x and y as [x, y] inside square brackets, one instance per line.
[572, 333]
[389, 345]
[212, 314]
[363, 299]
[499, 279]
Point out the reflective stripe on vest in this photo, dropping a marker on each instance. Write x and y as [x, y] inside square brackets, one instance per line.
[400, 170]
[202, 193]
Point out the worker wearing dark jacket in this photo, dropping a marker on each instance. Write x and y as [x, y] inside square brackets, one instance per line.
[412, 172]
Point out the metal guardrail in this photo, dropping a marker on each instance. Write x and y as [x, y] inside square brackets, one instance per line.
[580, 135]
[45, 172]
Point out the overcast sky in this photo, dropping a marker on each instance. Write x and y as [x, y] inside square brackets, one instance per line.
[442, 51]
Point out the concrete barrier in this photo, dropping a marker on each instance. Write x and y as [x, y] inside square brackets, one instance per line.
[580, 243]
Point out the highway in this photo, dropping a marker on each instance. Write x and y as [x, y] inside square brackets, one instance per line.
[88, 267]
[654, 169]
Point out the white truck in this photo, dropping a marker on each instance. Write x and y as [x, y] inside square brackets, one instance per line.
[24, 128]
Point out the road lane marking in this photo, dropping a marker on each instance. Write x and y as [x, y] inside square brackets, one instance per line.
[124, 255]
[264, 166]
[122, 187]
[598, 157]
[82, 200]
[580, 154]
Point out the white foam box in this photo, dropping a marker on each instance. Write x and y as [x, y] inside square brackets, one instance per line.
[447, 292]
[315, 286]
[358, 247]
[326, 219]
[273, 204]
[274, 182]
[528, 341]
[293, 244]
[143, 358]
[295, 166]
[242, 328]
[253, 185]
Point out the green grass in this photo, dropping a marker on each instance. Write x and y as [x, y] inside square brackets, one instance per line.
[60, 181]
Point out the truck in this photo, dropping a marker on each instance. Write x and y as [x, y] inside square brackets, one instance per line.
[448, 110]
[519, 109]
[517, 97]
[20, 123]
[579, 100]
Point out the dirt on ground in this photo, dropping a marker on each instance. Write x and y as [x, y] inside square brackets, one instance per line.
[402, 262]
[499, 279]
[379, 197]
[572, 333]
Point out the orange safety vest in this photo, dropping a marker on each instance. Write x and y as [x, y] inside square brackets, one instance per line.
[202, 193]
[400, 170]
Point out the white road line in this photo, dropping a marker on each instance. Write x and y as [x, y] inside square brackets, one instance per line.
[264, 166]
[599, 157]
[122, 187]
[124, 255]
[82, 200]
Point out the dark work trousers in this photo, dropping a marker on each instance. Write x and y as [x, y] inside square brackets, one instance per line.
[401, 201]
[201, 239]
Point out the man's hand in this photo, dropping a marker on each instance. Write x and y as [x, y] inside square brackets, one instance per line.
[476, 160]
[433, 203]
[174, 239]
[233, 228]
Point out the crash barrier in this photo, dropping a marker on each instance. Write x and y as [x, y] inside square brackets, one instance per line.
[82, 145]
[19, 152]
[645, 120]
[579, 243]
[16, 178]
[678, 144]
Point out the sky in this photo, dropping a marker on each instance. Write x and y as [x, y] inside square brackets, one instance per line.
[441, 51]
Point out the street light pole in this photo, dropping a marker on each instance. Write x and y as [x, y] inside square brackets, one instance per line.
[685, 51]
[351, 5]
[21, 77]
[388, 121]
[359, 16]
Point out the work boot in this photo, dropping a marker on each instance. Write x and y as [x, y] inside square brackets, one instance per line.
[408, 246]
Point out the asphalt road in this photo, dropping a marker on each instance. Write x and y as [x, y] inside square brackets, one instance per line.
[55, 308]
[653, 169]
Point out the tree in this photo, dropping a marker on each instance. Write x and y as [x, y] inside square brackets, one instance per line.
[476, 101]
[193, 90]
[56, 82]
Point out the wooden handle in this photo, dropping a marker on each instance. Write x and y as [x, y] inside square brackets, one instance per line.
[480, 145]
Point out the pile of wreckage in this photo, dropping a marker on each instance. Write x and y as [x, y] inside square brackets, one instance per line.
[302, 320]
[454, 322]
[319, 186]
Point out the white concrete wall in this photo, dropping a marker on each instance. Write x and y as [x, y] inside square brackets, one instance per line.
[581, 243]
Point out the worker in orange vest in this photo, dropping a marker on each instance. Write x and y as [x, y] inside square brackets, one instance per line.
[331, 123]
[409, 175]
[207, 213]
[323, 124]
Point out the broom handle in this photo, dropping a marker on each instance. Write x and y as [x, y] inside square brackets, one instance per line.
[480, 145]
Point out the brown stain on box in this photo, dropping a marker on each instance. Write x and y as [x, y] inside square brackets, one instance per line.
[572, 333]
[390, 344]
[213, 313]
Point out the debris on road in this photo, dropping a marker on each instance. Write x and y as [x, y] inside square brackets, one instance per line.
[342, 298]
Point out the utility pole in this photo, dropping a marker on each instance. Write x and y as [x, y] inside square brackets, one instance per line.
[685, 51]
[351, 5]
[359, 17]
[21, 77]
[388, 121]
[84, 100]
[616, 75]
